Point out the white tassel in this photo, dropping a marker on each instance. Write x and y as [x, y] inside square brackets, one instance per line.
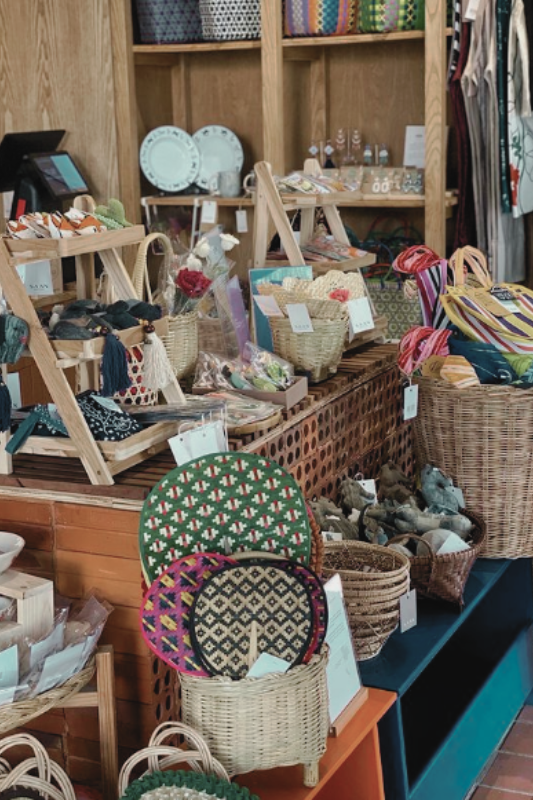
[157, 372]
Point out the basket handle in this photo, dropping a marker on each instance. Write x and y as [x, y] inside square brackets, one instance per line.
[403, 536]
[50, 779]
[161, 757]
[140, 269]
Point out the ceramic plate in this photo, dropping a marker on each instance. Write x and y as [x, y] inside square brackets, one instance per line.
[226, 605]
[238, 499]
[220, 151]
[170, 159]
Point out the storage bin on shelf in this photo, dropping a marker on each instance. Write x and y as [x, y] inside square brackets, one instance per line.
[161, 22]
[181, 343]
[227, 20]
[480, 438]
[325, 18]
[318, 353]
[260, 723]
[372, 598]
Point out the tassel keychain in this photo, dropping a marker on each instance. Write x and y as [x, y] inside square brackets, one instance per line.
[157, 370]
[115, 373]
[5, 406]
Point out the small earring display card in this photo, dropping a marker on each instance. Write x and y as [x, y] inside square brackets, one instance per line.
[37, 278]
[360, 316]
[299, 318]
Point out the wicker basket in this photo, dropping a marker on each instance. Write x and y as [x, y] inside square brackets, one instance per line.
[318, 353]
[181, 343]
[161, 22]
[261, 723]
[224, 20]
[443, 577]
[372, 598]
[318, 309]
[479, 437]
[38, 774]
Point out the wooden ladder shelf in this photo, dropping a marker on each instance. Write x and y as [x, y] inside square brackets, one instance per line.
[101, 460]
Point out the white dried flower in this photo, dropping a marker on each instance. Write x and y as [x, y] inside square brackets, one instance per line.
[228, 241]
[193, 263]
[203, 248]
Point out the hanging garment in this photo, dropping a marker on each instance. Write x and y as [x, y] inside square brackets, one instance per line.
[503, 14]
[465, 226]
[520, 131]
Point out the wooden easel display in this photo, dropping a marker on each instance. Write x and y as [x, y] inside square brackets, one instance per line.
[101, 460]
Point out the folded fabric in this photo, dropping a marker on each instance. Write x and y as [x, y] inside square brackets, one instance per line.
[418, 344]
[519, 363]
[489, 363]
[458, 371]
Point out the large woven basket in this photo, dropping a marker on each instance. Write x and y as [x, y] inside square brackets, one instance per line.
[318, 353]
[372, 598]
[443, 577]
[181, 343]
[480, 438]
[261, 723]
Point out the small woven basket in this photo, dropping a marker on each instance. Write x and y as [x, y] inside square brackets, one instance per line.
[443, 577]
[16, 714]
[318, 309]
[224, 20]
[317, 353]
[181, 343]
[372, 598]
[162, 22]
[38, 774]
[261, 723]
[479, 437]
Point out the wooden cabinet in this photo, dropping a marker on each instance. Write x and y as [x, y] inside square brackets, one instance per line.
[278, 94]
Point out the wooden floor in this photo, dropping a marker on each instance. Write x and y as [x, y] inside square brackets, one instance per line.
[510, 774]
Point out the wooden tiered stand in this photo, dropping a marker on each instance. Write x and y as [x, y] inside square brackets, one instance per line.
[101, 460]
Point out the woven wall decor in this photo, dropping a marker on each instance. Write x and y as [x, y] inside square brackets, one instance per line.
[320, 605]
[165, 609]
[228, 603]
[228, 501]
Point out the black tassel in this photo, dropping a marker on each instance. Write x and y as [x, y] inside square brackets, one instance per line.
[115, 375]
[5, 406]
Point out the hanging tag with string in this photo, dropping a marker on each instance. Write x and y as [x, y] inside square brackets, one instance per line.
[410, 400]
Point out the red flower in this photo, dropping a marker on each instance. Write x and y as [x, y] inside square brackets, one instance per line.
[342, 295]
[192, 283]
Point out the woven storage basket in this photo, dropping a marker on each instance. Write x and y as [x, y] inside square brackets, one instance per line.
[38, 773]
[137, 394]
[443, 577]
[321, 287]
[318, 353]
[181, 343]
[319, 17]
[224, 20]
[168, 21]
[318, 309]
[372, 598]
[480, 438]
[261, 723]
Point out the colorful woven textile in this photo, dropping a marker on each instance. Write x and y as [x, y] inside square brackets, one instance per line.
[319, 17]
[223, 503]
[380, 16]
[165, 609]
[418, 345]
[168, 21]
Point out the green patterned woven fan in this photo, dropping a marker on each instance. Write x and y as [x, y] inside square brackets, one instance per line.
[223, 503]
[184, 785]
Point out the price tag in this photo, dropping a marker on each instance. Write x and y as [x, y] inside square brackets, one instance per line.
[268, 305]
[37, 278]
[198, 442]
[241, 221]
[370, 487]
[13, 384]
[299, 318]
[208, 214]
[360, 315]
[408, 611]
[459, 495]
[332, 536]
[410, 402]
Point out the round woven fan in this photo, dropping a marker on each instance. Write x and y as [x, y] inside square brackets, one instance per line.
[320, 605]
[262, 595]
[223, 503]
[165, 610]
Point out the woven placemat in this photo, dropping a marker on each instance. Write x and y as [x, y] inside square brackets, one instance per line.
[223, 503]
[165, 609]
[226, 605]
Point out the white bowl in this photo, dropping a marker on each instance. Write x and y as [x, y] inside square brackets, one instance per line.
[10, 547]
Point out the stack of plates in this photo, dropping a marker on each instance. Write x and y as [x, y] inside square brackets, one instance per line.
[172, 160]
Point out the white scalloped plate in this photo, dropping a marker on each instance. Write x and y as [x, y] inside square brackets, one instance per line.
[169, 158]
[220, 151]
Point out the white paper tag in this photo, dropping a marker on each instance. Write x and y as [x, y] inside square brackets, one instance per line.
[59, 667]
[370, 487]
[9, 667]
[13, 384]
[332, 536]
[198, 442]
[268, 305]
[410, 402]
[408, 611]
[37, 278]
[52, 643]
[360, 315]
[108, 403]
[459, 495]
[414, 152]
[241, 220]
[208, 215]
[266, 664]
[8, 202]
[299, 318]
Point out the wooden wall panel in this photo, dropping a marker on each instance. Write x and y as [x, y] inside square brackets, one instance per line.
[56, 71]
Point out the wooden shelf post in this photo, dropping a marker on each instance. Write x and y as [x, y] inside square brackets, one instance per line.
[435, 123]
[272, 84]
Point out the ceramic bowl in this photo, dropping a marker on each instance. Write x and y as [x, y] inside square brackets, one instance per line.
[10, 547]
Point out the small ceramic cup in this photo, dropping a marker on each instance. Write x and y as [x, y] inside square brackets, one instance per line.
[226, 184]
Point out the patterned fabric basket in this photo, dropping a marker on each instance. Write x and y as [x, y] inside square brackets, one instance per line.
[137, 394]
[224, 20]
[381, 16]
[168, 21]
[319, 17]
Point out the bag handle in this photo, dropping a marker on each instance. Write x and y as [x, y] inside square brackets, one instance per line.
[402, 537]
[140, 269]
[474, 259]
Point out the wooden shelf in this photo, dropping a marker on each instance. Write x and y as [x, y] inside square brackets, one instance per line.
[302, 41]
[76, 245]
[190, 200]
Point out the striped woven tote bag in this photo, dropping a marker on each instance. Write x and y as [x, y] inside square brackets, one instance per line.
[501, 315]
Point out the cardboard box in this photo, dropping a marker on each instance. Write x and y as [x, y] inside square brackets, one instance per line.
[287, 399]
